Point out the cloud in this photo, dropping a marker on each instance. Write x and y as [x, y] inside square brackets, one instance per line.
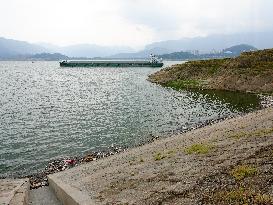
[187, 18]
[129, 22]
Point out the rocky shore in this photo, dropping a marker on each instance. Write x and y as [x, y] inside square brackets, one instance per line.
[39, 179]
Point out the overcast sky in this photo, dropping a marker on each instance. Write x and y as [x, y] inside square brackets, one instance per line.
[129, 22]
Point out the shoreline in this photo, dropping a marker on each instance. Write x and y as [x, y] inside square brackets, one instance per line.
[249, 72]
[39, 179]
[209, 165]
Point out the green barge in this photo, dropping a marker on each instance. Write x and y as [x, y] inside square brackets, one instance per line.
[153, 62]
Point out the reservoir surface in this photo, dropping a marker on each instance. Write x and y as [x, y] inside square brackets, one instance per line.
[48, 112]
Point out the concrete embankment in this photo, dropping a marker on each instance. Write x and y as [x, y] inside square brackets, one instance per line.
[14, 191]
[230, 162]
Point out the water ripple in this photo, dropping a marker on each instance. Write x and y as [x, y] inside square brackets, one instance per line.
[47, 112]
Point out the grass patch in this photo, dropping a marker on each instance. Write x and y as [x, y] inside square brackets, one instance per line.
[243, 171]
[182, 84]
[159, 156]
[241, 196]
[170, 152]
[167, 154]
[263, 132]
[257, 133]
[135, 161]
[213, 69]
[198, 149]
[239, 135]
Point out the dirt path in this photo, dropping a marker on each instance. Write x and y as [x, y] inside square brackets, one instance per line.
[230, 162]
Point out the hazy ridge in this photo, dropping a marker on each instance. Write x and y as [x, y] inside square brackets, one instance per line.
[13, 48]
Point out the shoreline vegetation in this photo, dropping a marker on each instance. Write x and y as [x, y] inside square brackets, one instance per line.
[249, 72]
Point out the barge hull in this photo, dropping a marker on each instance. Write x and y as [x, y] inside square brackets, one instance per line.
[109, 64]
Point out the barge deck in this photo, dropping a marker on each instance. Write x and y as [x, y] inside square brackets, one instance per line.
[153, 62]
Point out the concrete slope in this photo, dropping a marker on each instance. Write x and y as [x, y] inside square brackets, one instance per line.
[174, 170]
[43, 196]
[14, 191]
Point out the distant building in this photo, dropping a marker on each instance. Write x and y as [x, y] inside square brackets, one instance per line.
[194, 52]
[213, 51]
[227, 52]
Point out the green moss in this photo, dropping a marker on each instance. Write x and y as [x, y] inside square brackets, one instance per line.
[198, 149]
[243, 171]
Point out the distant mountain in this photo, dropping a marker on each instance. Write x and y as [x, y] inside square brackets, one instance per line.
[260, 40]
[238, 49]
[9, 48]
[203, 44]
[182, 55]
[36, 57]
[48, 57]
[91, 50]
[86, 50]
[232, 51]
[142, 54]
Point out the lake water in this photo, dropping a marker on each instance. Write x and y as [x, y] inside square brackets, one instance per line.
[47, 112]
